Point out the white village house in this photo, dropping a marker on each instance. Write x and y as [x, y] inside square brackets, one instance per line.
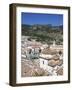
[44, 63]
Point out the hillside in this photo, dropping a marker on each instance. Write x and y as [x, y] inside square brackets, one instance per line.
[44, 33]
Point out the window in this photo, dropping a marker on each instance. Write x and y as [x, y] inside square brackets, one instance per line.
[43, 62]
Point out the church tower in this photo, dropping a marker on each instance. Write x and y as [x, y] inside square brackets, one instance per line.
[54, 43]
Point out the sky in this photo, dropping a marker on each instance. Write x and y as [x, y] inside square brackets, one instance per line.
[37, 18]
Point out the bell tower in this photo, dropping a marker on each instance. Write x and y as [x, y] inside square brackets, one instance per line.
[54, 43]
